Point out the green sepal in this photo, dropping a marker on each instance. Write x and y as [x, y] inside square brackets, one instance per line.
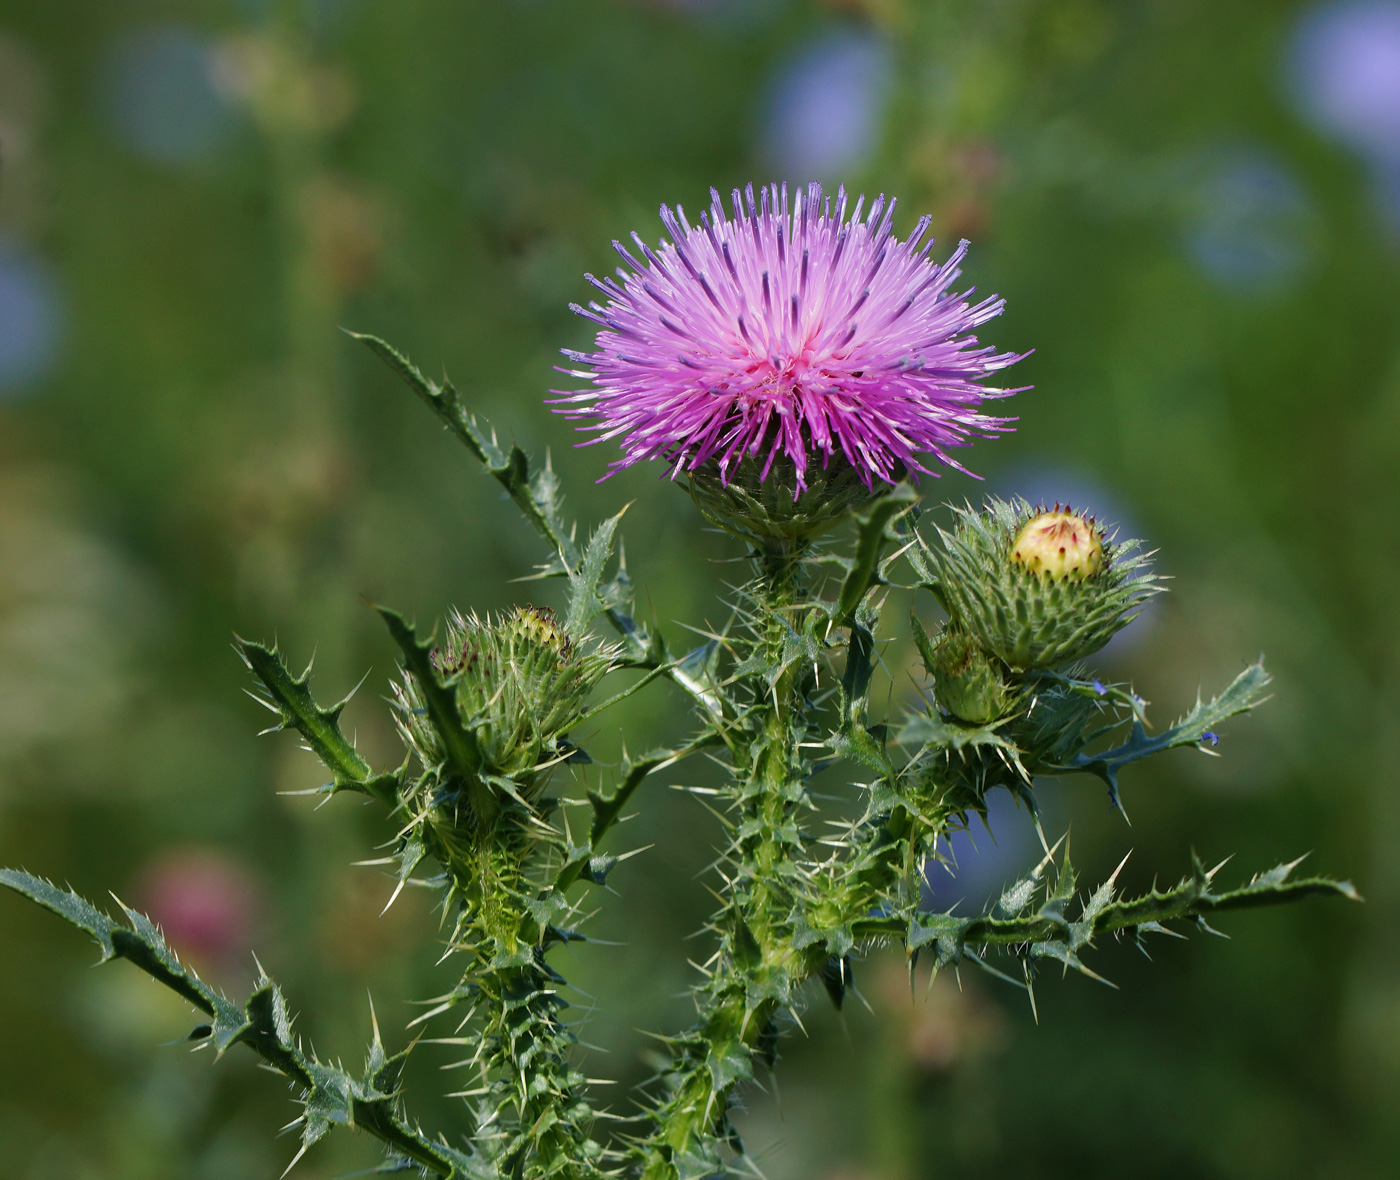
[771, 506]
[924, 642]
[1025, 619]
[290, 698]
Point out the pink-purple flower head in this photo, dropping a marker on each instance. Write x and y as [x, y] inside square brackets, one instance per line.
[775, 333]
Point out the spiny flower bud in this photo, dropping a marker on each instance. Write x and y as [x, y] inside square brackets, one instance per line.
[520, 683]
[1037, 588]
[966, 681]
[1060, 544]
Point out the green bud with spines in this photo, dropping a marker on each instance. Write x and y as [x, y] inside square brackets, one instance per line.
[966, 681]
[520, 684]
[1043, 609]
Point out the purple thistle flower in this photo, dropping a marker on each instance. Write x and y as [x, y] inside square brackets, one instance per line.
[771, 334]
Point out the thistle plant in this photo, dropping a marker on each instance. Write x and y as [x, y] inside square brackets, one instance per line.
[797, 368]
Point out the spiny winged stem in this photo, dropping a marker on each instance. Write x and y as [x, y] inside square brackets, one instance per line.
[756, 966]
[534, 1113]
[485, 712]
[487, 718]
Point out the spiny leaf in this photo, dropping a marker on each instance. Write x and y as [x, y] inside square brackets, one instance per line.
[927, 731]
[696, 672]
[585, 603]
[536, 493]
[460, 744]
[333, 1096]
[1046, 933]
[69, 906]
[290, 697]
[872, 536]
[1243, 694]
[634, 772]
[642, 647]
[141, 945]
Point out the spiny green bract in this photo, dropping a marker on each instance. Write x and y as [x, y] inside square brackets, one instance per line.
[1030, 620]
[520, 683]
[777, 507]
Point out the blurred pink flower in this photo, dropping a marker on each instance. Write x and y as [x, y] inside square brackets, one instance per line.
[203, 900]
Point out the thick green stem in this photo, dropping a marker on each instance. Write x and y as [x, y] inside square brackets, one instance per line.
[757, 966]
[522, 1048]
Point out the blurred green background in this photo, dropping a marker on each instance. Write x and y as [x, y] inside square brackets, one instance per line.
[1193, 211]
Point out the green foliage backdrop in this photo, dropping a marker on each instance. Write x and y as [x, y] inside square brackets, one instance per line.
[1213, 295]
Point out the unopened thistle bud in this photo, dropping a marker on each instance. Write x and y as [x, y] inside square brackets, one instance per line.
[1060, 544]
[966, 681]
[521, 682]
[1038, 588]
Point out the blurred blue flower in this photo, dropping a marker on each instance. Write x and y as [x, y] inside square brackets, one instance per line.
[983, 859]
[320, 17]
[31, 320]
[727, 13]
[823, 110]
[1249, 226]
[1067, 486]
[1345, 73]
[157, 90]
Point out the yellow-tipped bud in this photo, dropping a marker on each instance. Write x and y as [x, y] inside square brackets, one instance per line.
[1061, 545]
[1037, 589]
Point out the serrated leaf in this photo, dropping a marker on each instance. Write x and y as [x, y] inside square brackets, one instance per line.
[1046, 933]
[291, 697]
[536, 493]
[333, 1096]
[585, 603]
[871, 537]
[696, 672]
[459, 743]
[607, 809]
[1240, 696]
[67, 905]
